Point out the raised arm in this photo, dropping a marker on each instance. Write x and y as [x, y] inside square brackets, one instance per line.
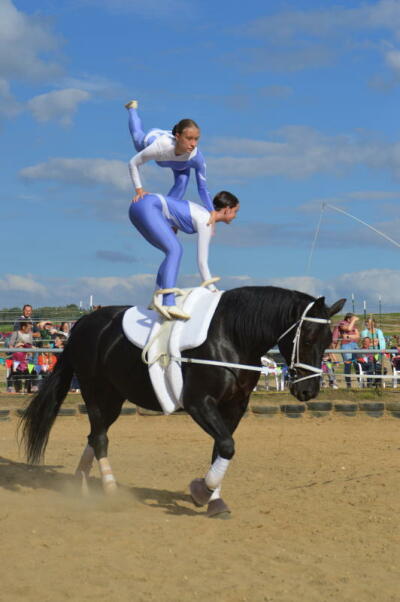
[149, 153]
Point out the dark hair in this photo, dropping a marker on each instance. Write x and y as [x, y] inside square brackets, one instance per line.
[25, 322]
[26, 305]
[224, 199]
[349, 315]
[182, 125]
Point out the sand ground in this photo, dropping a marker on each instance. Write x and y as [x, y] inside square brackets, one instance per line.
[315, 514]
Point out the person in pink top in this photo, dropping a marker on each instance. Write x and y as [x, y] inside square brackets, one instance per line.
[346, 336]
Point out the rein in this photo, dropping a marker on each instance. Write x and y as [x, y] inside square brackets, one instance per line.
[295, 359]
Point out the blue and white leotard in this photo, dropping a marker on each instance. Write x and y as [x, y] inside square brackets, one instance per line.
[153, 216]
[159, 145]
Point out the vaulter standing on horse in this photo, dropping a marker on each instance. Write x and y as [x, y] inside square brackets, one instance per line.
[176, 149]
[155, 216]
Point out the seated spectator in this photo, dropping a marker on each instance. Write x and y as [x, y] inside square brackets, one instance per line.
[328, 361]
[59, 341]
[65, 329]
[26, 316]
[396, 356]
[375, 334]
[47, 331]
[22, 373]
[346, 336]
[23, 335]
[367, 359]
[368, 362]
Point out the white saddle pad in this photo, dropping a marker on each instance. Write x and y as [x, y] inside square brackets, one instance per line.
[168, 338]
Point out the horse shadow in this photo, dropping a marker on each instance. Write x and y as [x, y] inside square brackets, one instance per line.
[167, 500]
[14, 475]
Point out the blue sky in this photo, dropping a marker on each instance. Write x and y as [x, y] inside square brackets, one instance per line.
[298, 104]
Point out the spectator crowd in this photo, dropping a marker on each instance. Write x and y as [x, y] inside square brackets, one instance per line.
[27, 370]
[34, 342]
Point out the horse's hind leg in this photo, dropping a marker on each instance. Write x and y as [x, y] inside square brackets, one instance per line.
[84, 467]
[103, 404]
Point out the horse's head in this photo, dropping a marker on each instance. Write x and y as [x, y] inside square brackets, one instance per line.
[303, 346]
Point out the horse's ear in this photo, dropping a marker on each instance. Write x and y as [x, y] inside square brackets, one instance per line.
[336, 307]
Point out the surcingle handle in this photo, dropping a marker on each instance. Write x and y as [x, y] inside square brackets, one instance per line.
[206, 283]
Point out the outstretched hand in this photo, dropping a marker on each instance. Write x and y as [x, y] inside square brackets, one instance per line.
[140, 193]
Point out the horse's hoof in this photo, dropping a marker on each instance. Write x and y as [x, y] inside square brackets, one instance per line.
[200, 492]
[110, 487]
[218, 509]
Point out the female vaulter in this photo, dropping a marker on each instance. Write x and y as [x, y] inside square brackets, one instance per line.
[155, 215]
[176, 150]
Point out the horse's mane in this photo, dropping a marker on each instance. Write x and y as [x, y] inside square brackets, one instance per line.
[258, 313]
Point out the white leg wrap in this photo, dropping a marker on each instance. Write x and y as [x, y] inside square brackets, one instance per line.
[217, 472]
[216, 494]
[86, 461]
[107, 476]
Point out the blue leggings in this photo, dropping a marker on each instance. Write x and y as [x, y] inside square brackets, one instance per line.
[136, 130]
[181, 178]
[147, 217]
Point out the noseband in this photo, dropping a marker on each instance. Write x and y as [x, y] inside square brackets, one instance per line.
[295, 360]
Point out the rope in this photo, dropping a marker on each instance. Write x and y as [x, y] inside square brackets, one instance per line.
[397, 244]
[314, 242]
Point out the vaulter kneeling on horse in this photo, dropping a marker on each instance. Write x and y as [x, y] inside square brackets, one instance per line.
[158, 217]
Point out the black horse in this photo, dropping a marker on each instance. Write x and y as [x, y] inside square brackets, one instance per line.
[248, 321]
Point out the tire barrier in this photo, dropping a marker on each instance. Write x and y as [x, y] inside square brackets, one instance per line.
[67, 412]
[375, 410]
[394, 408]
[265, 410]
[293, 410]
[317, 409]
[347, 409]
[4, 415]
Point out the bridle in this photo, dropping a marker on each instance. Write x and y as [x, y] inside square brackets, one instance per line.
[295, 360]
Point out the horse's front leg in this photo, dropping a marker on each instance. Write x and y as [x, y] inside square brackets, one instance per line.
[207, 490]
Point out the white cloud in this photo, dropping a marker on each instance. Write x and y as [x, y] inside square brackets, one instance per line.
[95, 84]
[24, 40]
[302, 152]
[138, 288]
[292, 40]
[392, 58]
[13, 283]
[306, 284]
[332, 21]
[369, 284]
[59, 105]
[108, 178]
[9, 106]
[295, 152]
[84, 172]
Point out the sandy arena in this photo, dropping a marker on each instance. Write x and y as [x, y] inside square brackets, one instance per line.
[315, 514]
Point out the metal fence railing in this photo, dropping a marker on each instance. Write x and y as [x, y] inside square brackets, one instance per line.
[387, 372]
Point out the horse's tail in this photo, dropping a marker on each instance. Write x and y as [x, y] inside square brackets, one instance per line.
[39, 416]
